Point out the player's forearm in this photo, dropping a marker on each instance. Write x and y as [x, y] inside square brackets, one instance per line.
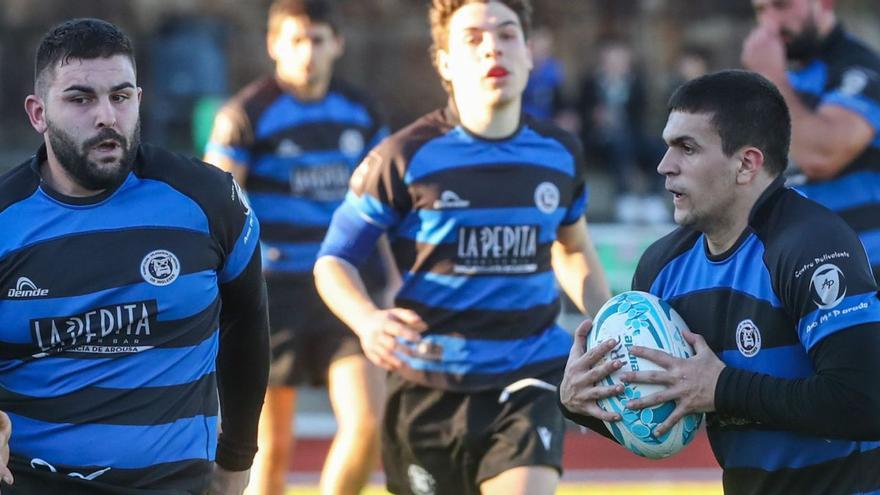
[815, 144]
[242, 365]
[588, 422]
[342, 289]
[840, 400]
[577, 268]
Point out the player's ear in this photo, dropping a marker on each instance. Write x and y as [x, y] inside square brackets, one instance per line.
[442, 60]
[36, 111]
[751, 161]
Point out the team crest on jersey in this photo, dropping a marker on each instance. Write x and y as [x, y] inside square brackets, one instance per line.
[853, 82]
[547, 197]
[160, 267]
[420, 481]
[748, 338]
[288, 149]
[828, 286]
[351, 143]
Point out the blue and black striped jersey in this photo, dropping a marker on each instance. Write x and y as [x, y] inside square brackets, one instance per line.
[299, 156]
[471, 222]
[847, 74]
[110, 311]
[796, 277]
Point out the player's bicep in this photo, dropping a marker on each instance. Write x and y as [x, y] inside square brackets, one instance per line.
[830, 286]
[853, 132]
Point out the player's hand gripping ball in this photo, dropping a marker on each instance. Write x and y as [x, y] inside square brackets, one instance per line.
[638, 318]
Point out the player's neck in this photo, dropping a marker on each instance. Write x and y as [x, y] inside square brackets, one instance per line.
[726, 231]
[54, 175]
[490, 122]
[303, 90]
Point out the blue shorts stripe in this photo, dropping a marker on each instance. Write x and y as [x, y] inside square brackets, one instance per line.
[157, 367]
[115, 446]
[484, 292]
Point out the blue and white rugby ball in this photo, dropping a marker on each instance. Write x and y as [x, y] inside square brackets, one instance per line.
[638, 318]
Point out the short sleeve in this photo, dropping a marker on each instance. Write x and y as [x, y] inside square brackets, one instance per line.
[827, 283]
[859, 91]
[232, 134]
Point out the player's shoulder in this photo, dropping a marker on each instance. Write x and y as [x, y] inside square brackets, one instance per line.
[357, 97]
[188, 175]
[406, 142]
[791, 223]
[549, 130]
[661, 252]
[253, 99]
[18, 184]
[851, 60]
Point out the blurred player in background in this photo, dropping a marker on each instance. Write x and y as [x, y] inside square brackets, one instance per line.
[775, 285]
[292, 140]
[833, 92]
[132, 294]
[483, 204]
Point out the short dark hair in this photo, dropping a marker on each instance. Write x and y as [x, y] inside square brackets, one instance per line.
[318, 11]
[746, 109]
[79, 39]
[441, 12]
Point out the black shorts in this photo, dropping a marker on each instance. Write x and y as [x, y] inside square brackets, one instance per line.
[437, 441]
[305, 336]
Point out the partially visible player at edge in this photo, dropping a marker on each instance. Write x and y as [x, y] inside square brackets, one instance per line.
[779, 294]
[483, 205]
[292, 139]
[832, 87]
[132, 294]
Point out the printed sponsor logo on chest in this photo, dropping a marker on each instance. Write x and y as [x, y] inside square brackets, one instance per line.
[497, 249]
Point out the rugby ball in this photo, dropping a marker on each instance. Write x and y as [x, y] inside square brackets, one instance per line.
[638, 318]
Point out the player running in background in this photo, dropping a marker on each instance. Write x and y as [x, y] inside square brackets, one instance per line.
[483, 204]
[292, 140]
[775, 285]
[833, 92]
[131, 292]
